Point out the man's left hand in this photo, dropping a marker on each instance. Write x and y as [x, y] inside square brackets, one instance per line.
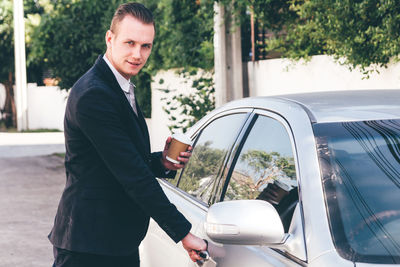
[183, 157]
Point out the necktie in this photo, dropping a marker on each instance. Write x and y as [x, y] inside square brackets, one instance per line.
[131, 96]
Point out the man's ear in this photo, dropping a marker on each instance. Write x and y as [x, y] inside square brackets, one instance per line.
[109, 36]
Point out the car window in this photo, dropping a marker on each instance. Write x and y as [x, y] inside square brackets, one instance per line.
[265, 169]
[210, 151]
[360, 167]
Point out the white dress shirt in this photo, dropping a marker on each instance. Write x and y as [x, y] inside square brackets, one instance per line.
[126, 86]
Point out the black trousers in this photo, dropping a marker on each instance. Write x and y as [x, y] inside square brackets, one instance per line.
[66, 258]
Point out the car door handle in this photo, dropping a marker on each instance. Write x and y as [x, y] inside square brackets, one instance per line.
[206, 261]
[204, 255]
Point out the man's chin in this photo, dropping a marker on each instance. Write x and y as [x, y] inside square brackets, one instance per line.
[134, 71]
[129, 74]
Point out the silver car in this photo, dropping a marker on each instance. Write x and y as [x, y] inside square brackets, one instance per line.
[294, 180]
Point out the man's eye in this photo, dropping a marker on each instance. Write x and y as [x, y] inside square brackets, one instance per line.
[147, 46]
[129, 43]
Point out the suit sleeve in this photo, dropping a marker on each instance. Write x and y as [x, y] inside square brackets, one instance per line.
[157, 167]
[98, 118]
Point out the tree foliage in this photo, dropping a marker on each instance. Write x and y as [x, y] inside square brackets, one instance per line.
[363, 34]
[268, 165]
[32, 11]
[204, 164]
[70, 38]
[184, 40]
[6, 40]
[184, 34]
[263, 168]
[8, 114]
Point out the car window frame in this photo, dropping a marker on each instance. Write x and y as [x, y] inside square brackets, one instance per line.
[195, 134]
[196, 129]
[245, 131]
[244, 134]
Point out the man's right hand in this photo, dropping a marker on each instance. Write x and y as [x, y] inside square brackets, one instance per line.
[194, 245]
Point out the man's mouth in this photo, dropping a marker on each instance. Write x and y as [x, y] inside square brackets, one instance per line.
[135, 64]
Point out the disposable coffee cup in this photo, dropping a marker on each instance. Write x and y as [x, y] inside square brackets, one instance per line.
[179, 143]
[282, 189]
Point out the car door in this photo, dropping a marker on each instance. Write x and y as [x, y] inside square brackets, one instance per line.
[263, 153]
[191, 190]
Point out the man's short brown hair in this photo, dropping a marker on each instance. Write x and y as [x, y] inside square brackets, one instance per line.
[136, 10]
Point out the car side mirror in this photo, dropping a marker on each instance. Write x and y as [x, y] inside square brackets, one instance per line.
[245, 222]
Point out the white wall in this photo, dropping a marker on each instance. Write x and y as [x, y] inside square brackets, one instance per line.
[2, 95]
[46, 107]
[281, 76]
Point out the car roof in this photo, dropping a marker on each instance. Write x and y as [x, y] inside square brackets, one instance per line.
[335, 106]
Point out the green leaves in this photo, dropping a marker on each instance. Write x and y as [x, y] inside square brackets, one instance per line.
[361, 32]
[71, 36]
[184, 35]
[364, 34]
[261, 163]
[6, 40]
[69, 39]
[32, 10]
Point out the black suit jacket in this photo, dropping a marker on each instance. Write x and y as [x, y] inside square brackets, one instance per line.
[111, 190]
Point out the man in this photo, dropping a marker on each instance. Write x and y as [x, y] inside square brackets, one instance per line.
[111, 190]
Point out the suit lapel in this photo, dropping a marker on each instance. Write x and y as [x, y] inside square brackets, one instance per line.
[138, 120]
[142, 123]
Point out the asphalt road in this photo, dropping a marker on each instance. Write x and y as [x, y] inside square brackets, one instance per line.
[30, 188]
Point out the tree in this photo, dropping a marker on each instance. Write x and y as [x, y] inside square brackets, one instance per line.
[70, 38]
[263, 167]
[185, 41]
[7, 61]
[32, 11]
[204, 164]
[184, 34]
[268, 166]
[362, 34]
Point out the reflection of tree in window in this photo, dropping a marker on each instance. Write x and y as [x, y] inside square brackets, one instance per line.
[201, 169]
[209, 154]
[261, 168]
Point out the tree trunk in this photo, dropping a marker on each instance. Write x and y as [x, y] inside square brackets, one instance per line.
[9, 107]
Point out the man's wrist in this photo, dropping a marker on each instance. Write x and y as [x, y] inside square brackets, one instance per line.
[162, 160]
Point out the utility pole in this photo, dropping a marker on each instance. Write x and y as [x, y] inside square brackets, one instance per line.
[21, 97]
[227, 57]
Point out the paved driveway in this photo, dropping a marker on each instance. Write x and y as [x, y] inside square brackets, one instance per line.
[30, 188]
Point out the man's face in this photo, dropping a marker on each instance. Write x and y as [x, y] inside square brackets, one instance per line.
[130, 45]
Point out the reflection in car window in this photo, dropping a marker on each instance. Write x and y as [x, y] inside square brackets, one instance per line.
[360, 163]
[208, 155]
[266, 165]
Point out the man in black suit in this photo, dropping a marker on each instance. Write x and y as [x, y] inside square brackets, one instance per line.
[111, 190]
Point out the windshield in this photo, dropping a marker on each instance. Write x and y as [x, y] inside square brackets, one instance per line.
[360, 164]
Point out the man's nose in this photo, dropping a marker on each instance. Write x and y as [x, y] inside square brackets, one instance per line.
[135, 53]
